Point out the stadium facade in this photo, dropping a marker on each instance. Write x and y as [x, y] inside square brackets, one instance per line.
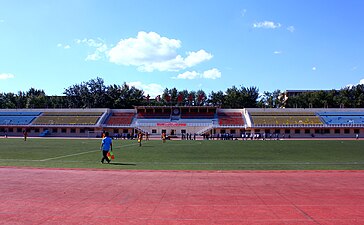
[178, 121]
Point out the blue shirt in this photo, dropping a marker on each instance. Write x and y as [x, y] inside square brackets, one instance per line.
[106, 143]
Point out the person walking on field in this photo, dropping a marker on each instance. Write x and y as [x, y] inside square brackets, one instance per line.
[106, 146]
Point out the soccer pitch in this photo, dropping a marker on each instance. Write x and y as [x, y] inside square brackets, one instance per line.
[186, 155]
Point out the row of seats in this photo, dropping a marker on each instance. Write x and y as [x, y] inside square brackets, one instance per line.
[16, 120]
[20, 113]
[197, 115]
[190, 115]
[270, 113]
[307, 118]
[66, 120]
[342, 118]
[230, 118]
[120, 119]
[72, 113]
[286, 120]
[160, 115]
[337, 120]
[224, 118]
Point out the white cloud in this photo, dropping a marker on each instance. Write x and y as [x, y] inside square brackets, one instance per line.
[5, 76]
[314, 68]
[291, 29]
[352, 85]
[212, 74]
[277, 52]
[267, 25]
[98, 54]
[99, 44]
[63, 46]
[194, 58]
[150, 51]
[208, 74]
[272, 25]
[188, 75]
[93, 57]
[90, 42]
[152, 89]
[243, 12]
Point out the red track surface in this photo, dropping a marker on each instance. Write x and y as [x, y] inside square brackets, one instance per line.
[59, 196]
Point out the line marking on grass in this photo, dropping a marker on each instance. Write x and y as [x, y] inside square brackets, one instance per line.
[65, 156]
[80, 153]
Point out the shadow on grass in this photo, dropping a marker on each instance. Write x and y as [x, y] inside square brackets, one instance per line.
[122, 164]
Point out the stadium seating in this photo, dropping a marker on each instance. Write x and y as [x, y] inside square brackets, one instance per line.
[342, 118]
[285, 118]
[120, 119]
[230, 119]
[197, 115]
[17, 118]
[142, 115]
[68, 118]
[150, 113]
[20, 113]
[72, 113]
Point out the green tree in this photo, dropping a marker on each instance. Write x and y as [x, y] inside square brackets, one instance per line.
[216, 98]
[271, 99]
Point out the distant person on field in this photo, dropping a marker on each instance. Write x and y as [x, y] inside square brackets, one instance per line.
[25, 135]
[164, 137]
[106, 146]
[140, 138]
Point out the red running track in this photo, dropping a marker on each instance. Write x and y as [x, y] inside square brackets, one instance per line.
[61, 196]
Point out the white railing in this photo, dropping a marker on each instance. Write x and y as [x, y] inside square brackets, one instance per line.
[228, 126]
[205, 129]
[103, 117]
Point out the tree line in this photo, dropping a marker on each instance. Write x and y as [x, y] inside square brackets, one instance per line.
[95, 94]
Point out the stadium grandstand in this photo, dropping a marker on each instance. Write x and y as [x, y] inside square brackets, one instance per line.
[175, 121]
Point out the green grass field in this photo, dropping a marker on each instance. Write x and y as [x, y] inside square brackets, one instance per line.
[186, 155]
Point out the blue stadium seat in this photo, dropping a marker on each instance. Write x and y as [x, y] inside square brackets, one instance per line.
[342, 118]
[16, 120]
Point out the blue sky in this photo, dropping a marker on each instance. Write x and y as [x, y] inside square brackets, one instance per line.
[188, 44]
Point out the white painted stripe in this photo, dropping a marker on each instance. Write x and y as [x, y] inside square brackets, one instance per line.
[65, 156]
[80, 153]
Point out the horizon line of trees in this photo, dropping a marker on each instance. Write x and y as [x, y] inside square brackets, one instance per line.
[95, 94]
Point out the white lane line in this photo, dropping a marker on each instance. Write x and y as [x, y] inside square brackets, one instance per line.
[80, 153]
[65, 156]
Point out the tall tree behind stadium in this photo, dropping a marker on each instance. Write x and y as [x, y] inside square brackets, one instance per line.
[95, 94]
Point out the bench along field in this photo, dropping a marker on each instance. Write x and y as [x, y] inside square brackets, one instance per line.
[186, 155]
